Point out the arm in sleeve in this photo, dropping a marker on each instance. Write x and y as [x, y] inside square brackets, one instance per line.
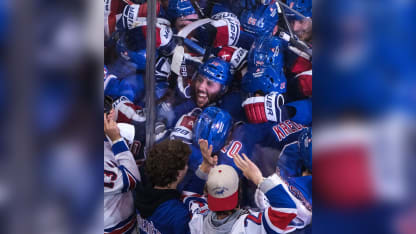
[121, 175]
[282, 210]
[192, 196]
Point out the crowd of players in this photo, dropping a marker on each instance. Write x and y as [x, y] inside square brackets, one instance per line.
[233, 123]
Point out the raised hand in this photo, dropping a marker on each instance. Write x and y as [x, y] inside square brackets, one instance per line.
[206, 151]
[110, 127]
[249, 169]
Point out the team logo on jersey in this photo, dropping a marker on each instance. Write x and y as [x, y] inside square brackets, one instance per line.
[295, 191]
[252, 21]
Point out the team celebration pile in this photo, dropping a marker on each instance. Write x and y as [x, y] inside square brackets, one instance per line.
[233, 125]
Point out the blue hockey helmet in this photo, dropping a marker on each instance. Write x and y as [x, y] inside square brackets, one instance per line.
[305, 147]
[260, 21]
[302, 6]
[265, 79]
[138, 57]
[266, 51]
[217, 70]
[180, 8]
[212, 125]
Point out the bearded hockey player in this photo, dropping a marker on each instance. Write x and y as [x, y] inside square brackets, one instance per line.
[209, 84]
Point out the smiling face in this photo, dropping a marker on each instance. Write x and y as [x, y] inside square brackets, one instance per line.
[205, 90]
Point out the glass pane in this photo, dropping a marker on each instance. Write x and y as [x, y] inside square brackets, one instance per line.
[237, 73]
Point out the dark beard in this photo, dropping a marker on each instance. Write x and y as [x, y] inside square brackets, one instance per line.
[211, 98]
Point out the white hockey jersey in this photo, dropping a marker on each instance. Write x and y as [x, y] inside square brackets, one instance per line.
[120, 177]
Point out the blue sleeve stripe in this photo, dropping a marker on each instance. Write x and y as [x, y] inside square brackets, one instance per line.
[119, 147]
[126, 183]
[131, 174]
[278, 197]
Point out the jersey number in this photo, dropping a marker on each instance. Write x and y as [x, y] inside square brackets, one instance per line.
[112, 177]
[234, 149]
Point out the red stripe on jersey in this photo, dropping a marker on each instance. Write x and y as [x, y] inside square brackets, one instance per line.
[255, 219]
[280, 219]
[132, 181]
[125, 228]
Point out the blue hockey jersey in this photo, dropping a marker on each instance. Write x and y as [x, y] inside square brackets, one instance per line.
[263, 143]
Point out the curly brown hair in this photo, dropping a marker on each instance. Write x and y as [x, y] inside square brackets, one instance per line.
[164, 161]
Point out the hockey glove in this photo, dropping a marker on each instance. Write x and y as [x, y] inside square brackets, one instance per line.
[235, 56]
[264, 108]
[184, 126]
[126, 111]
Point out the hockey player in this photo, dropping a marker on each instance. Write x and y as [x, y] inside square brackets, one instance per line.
[296, 158]
[302, 27]
[120, 177]
[263, 142]
[208, 85]
[250, 139]
[300, 67]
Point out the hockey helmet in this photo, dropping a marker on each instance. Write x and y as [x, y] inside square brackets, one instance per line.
[180, 8]
[260, 21]
[217, 70]
[264, 79]
[213, 125]
[302, 6]
[266, 51]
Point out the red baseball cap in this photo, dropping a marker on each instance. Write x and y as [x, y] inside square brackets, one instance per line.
[222, 186]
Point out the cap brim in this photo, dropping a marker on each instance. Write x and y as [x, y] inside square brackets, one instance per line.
[221, 204]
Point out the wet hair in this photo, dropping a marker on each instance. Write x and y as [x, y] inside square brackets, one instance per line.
[165, 160]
